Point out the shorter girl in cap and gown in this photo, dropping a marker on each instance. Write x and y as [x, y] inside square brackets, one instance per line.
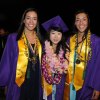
[54, 60]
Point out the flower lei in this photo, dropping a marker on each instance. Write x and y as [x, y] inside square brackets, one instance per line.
[53, 66]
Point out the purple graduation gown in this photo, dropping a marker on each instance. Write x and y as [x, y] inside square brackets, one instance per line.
[92, 80]
[59, 89]
[8, 68]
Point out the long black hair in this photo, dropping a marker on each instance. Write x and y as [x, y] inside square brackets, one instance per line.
[62, 43]
[22, 25]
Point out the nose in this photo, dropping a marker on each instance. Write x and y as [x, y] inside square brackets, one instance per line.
[31, 20]
[56, 35]
[81, 22]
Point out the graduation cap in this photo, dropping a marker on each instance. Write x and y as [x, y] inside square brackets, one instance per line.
[55, 22]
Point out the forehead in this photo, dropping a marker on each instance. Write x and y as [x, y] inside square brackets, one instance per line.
[81, 15]
[31, 13]
[53, 31]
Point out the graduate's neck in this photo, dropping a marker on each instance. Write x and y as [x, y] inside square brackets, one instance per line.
[54, 46]
[80, 36]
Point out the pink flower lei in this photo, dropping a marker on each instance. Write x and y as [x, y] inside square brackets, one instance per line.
[53, 64]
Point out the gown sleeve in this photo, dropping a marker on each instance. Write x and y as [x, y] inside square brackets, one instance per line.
[96, 70]
[5, 63]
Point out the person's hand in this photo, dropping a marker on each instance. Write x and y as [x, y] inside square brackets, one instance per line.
[95, 95]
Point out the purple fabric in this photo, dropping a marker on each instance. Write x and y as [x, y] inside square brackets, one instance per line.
[59, 89]
[55, 22]
[92, 80]
[8, 68]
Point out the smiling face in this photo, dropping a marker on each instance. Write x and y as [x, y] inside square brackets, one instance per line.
[81, 22]
[30, 21]
[55, 37]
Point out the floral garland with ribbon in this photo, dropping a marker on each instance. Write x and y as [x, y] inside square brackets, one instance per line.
[53, 64]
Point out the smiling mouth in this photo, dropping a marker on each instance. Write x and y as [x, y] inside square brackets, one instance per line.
[30, 25]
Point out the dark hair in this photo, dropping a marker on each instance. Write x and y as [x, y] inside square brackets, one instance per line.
[21, 27]
[62, 43]
[78, 12]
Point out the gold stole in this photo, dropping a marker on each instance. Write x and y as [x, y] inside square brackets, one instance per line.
[79, 68]
[47, 87]
[66, 88]
[23, 59]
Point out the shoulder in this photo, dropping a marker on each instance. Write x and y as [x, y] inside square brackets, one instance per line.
[12, 36]
[72, 37]
[95, 38]
[95, 42]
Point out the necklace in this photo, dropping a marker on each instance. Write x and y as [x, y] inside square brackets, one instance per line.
[85, 52]
[33, 50]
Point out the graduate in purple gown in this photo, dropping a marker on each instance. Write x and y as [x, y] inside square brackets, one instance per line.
[84, 61]
[20, 63]
[54, 62]
[3, 38]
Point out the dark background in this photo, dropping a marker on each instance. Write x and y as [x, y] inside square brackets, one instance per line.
[11, 11]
